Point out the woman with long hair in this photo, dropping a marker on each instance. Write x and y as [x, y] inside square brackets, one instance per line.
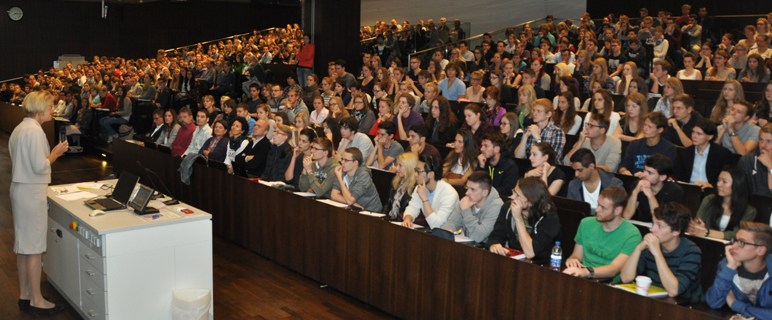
[170, 128]
[497, 78]
[332, 132]
[603, 103]
[295, 169]
[342, 93]
[720, 214]
[216, 147]
[327, 90]
[435, 70]
[673, 87]
[565, 116]
[721, 71]
[493, 109]
[730, 94]
[689, 72]
[542, 78]
[264, 113]
[629, 71]
[599, 74]
[365, 117]
[631, 126]
[238, 141]
[385, 114]
[512, 77]
[582, 68]
[754, 70]
[567, 84]
[479, 62]
[474, 121]
[337, 110]
[764, 107]
[513, 134]
[527, 96]
[442, 122]
[402, 186]
[544, 164]
[460, 162]
[368, 81]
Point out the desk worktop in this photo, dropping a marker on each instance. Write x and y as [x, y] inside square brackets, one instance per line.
[124, 219]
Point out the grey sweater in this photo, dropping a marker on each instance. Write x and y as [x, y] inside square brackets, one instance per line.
[321, 180]
[477, 225]
[363, 189]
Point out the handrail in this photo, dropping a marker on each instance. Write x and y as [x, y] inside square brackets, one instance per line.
[221, 39]
[446, 45]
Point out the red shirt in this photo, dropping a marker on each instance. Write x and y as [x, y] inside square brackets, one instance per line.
[182, 141]
[110, 102]
[306, 56]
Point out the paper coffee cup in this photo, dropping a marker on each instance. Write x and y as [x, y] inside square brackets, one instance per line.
[642, 285]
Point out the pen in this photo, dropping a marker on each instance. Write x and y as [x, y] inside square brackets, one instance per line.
[156, 216]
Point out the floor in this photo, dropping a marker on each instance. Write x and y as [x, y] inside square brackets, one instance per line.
[246, 285]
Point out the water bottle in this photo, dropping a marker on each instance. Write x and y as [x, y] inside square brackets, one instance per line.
[556, 257]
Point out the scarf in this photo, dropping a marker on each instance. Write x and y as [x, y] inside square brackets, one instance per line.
[358, 114]
[236, 141]
[394, 213]
[213, 144]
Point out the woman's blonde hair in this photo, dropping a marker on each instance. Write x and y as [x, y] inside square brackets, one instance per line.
[604, 74]
[37, 102]
[410, 161]
[527, 89]
[719, 111]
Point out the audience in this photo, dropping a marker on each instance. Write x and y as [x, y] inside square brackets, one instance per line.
[351, 138]
[386, 148]
[255, 155]
[318, 175]
[184, 133]
[651, 143]
[683, 121]
[279, 157]
[701, 163]
[653, 189]
[544, 164]
[302, 150]
[720, 214]
[503, 170]
[736, 131]
[402, 186]
[433, 200]
[461, 161]
[202, 133]
[543, 130]
[216, 147]
[757, 165]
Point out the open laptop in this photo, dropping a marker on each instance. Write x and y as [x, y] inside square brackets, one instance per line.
[139, 200]
[240, 169]
[120, 196]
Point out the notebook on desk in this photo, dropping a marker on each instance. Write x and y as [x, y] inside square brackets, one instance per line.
[120, 196]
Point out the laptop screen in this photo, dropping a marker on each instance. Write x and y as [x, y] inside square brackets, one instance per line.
[140, 198]
[124, 187]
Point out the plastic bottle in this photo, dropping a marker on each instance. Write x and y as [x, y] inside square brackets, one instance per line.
[556, 257]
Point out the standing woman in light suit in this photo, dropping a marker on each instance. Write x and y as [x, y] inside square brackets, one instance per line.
[32, 161]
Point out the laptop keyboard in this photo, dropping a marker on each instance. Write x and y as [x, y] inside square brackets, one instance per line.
[109, 204]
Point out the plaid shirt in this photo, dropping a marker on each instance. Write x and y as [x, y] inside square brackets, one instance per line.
[552, 135]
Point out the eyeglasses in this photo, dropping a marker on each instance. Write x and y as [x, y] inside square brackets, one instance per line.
[589, 125]
[318, 149]
[343, 160]
[419, 171]
[742, 243]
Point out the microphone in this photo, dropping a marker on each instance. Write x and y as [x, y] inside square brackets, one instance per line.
[171, 202]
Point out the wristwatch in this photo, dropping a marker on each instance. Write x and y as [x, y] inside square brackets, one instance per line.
[592, 272]
[732, 134]
[538, 141]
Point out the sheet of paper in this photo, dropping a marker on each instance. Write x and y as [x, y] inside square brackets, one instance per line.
[65, 190]
[415, 226]
[77, 196]
[333, 203]
[156, 204]
[306, 194]
[160, 216]
[372, 214]
[88, 185]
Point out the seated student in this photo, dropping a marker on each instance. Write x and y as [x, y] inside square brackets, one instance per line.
[671, 261]
[184, 133]
[658, 77]
[651, 143]
[545, 167]
[255, 155]
[736, 133]
[402, 186]
[701, 163]
[603, 103]
[303, 139]
[474, 121]
[565, 116]
[673, 87]
[280, 155]
[350, 138]
[502, 170]
[417, 139]
[652, 189]
[433, 200]
[607, 150]
[216, 147]
[631, 125]
[362, 112]
[386, 148]
[757, 164]
[720, 214]
[527, 222]
[242, 110]
[743, 277]
[478, 210]
[239, 140]
[609, 238]
[461, 161]
[442, 122]
[682, 123]
[201, 134]
[542, 131]
[354, 183]
[589, 181]
[405, 118]
[318, 173]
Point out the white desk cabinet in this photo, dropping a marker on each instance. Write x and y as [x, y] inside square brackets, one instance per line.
[118, 266]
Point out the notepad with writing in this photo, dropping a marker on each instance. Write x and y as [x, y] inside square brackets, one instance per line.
[654, 291]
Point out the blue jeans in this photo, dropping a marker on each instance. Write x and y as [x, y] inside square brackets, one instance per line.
[303, 73]
[107, 121]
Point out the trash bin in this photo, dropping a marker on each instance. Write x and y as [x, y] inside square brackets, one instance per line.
[191, 304]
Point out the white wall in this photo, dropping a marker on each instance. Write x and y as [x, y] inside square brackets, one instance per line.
[484, 15]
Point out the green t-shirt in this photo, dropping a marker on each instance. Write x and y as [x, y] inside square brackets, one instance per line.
[601, 247]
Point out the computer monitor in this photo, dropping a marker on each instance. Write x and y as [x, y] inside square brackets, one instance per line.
[140, 199]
